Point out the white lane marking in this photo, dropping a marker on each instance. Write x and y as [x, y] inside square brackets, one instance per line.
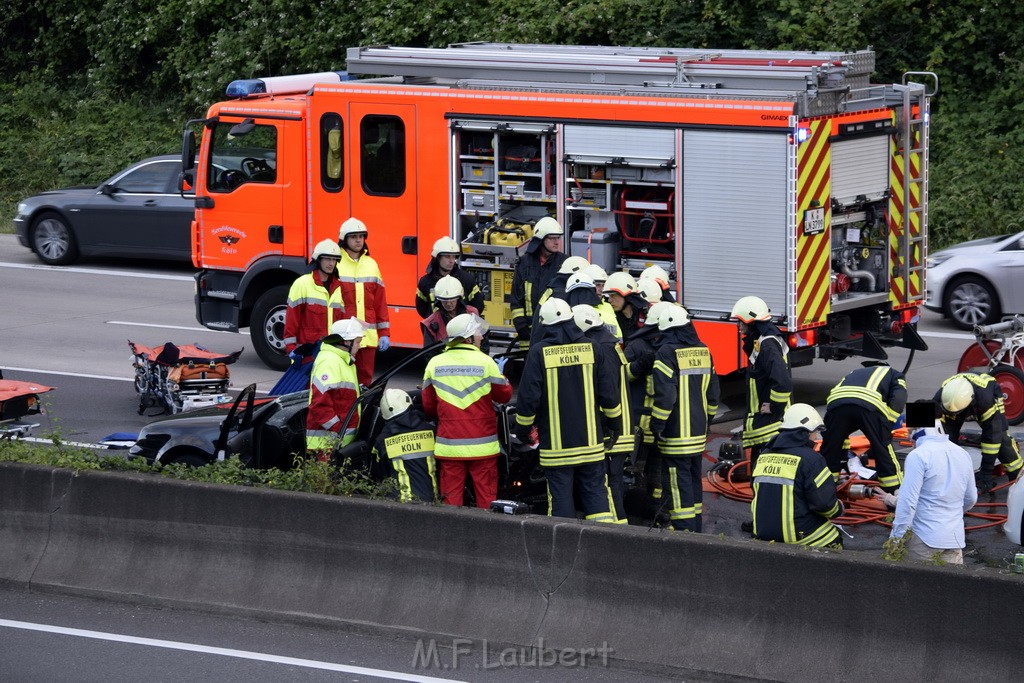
[167, 327]
[75, 444]
[66, 374]
[222, 651]
[947, 335]
[79, 374]
[97, 271]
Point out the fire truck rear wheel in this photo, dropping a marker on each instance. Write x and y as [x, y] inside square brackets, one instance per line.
[266, 327]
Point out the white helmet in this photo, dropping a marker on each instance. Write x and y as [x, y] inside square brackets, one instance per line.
[586, 317]
[650, 290]
[554, 311]
[750, 308]
[655, 272]
[577, 280]
[547, 226]
[676, 316]
[393, 403]
[957, 394]
[326, 248]
[573, 264]
[349, 328]
[657, 310]
[596, 272]
[353, 226]
[620, 282]
[801, 416]
[448, 287]
[445, 245]
[466, 326]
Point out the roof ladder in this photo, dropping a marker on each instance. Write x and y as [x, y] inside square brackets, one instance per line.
[914, 139]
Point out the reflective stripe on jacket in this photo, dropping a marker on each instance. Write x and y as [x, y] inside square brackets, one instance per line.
[460, 387]
[362, 291]
[333, 388]
[794, 494]
[311, 310]
[686, 393]
[881, 388]
[568, 390]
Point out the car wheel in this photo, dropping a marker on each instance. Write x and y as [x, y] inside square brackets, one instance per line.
[970, 301]
[53, 240]
[266, 327]
[1011, 382]
[189, 458]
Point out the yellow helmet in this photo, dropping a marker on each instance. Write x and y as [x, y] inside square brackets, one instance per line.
[326, 248]
[801, 416]
[750, 308]
[353, 226]
[445, 245]
[957, 394]
[449, 287]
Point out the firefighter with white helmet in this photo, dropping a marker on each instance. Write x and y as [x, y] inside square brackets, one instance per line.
[444, 260]
[618, 451]
[362, 291]
[794, 493]
[972, 396]
[659, 275]
[622, 292]
[571, 266]
[684, 399]
[449, 302]
[870, 400]
[314, 303]
[769, 378]
[404, 450]
[533, 274]
[600, 277]
[570, 393]
[460, 388]
[334, 389]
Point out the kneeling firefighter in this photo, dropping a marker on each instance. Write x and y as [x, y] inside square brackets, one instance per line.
[405, 448]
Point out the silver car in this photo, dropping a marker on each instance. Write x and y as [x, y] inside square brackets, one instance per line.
[977, 282]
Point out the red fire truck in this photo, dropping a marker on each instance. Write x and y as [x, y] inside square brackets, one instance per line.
[787, 175]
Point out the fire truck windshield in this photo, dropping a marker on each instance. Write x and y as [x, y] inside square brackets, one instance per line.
[240, 155]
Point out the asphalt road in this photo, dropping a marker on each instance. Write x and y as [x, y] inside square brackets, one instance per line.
[49, 637]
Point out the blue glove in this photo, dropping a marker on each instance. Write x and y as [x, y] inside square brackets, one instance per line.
[900, 421]
[502, 361]
[384, 344]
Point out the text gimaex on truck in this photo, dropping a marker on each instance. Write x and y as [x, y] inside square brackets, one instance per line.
[785, 174]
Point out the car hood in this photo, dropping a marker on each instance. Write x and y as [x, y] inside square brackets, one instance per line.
[983, 245]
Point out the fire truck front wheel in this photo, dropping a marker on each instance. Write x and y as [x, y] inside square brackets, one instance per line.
[266, 327]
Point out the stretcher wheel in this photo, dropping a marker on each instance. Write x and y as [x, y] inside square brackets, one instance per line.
[1011, 381]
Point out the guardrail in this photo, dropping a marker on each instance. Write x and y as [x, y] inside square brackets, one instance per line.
[672, 602]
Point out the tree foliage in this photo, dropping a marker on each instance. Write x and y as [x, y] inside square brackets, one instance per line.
[93, 84]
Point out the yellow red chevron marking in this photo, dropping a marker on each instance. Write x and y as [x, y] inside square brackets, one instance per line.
[814, 190]
[901, 290]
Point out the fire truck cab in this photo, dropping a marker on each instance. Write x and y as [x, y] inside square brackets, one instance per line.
[782, 174]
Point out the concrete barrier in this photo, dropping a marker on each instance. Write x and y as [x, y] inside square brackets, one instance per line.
[678, 603]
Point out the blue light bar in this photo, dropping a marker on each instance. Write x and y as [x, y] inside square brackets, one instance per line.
[282, 85]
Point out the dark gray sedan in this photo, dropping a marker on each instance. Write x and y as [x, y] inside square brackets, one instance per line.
[138, 213]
